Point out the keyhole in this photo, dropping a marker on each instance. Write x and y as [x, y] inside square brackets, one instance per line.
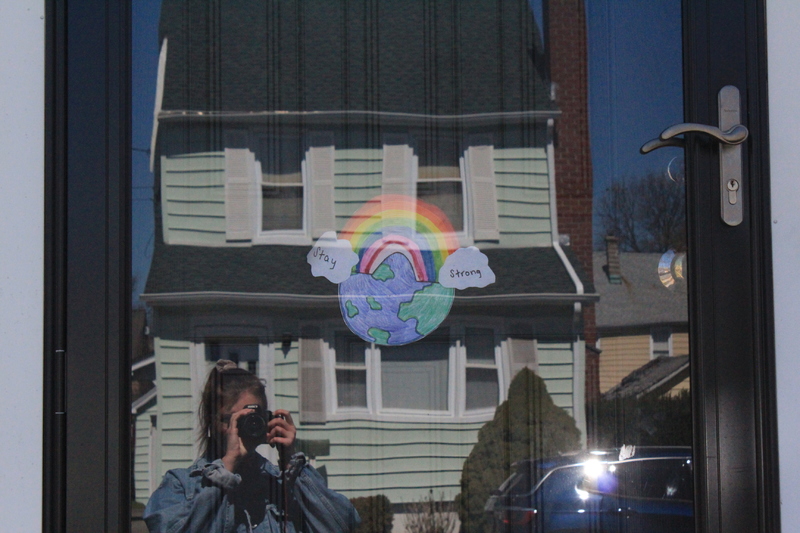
[733, 186]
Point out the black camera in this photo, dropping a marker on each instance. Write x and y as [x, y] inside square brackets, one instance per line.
[254, 425]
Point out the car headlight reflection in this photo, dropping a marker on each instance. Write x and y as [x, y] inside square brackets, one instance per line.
[593, 469]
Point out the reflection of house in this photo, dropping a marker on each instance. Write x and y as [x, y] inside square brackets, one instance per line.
[638, 318]
[280, 131]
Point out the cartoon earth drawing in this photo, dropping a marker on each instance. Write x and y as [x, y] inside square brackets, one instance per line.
[390, 307]
[387, 261]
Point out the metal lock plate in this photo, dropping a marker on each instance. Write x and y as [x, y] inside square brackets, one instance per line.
[730, 159]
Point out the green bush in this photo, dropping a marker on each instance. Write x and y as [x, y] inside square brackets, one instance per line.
[375, 512]
[653, 421]
[527, 425]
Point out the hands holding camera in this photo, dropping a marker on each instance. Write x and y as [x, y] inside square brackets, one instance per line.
[250, 425]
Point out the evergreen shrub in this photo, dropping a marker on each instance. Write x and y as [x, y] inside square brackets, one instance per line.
[527, 425]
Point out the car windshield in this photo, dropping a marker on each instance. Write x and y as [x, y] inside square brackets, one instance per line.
[559, 483]
[560, 487]
[523, 480]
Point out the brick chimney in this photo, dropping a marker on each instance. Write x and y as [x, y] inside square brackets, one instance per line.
[613, 269]
[567, 51]
[566, 47]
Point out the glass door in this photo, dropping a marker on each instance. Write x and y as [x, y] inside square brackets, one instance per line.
[431, 221]
[435, 241]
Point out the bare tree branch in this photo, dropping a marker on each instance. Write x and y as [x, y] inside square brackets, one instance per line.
[647, 214]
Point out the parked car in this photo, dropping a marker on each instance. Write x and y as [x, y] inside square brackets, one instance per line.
[650, 491]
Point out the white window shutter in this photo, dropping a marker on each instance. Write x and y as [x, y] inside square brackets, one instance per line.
[318, 166]
[241, 194]
[522, 354]
[483, 193]
[398, 170]
[311, 383]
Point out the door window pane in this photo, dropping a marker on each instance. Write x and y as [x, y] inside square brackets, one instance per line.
[419, 224]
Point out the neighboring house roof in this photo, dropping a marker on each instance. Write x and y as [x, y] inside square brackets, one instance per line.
[641, 299]
[143, 401]
[655, 378]
[393, 56]
[236, 272]
[142, 363]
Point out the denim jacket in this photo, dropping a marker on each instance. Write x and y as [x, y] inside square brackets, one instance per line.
[207, 498]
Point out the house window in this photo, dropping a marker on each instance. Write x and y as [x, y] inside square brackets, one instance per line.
[416, 376]
[482, 388]
[435, 375]
[439, 180]
[660, 342]
[282, 195]
[242, 352]
[351, 371]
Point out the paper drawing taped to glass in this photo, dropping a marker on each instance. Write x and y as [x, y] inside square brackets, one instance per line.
[397, 262]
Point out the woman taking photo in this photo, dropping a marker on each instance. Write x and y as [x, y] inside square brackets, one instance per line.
[232, 488]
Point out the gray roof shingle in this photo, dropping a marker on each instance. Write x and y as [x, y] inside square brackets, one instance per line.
[641, 299]
[449, 57]
[284, 270]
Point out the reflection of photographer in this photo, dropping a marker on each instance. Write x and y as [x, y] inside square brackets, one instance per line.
[234, 489]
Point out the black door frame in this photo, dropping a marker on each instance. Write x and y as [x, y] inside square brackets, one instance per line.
[87, 272]
[731, 320]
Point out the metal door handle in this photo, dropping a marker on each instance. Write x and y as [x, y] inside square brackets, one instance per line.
[731, 134]
[736, 135]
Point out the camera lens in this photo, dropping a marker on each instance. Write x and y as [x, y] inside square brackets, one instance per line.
[252, 425]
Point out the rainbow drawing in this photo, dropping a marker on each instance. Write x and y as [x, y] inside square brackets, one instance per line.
[390, 224]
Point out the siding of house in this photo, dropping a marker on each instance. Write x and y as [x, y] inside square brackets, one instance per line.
[193, 194]
[556, 368]
[176, 412]
[680, 346]
[402, 460]
[141, 455]
[680, 343]
[193, 199]
[620, 356]
[523, 196]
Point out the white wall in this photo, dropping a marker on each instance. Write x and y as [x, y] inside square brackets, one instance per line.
[783, 41]
[21, 261]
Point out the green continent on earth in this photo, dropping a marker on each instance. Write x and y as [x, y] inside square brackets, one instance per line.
[429, 306]
[381, 336]
[383, 272]
[373, 304]
[352, 310]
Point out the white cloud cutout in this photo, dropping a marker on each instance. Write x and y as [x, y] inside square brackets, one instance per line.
[332, 258]
[466, 267]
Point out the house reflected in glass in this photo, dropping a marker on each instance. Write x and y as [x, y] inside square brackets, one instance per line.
[275, 123]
